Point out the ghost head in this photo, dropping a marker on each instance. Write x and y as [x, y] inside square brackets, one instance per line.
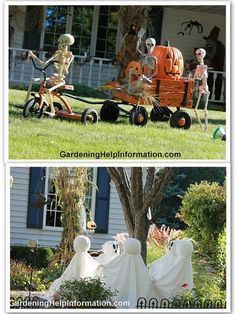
[110, 247]
[200, 54]
[81, 244]
[132, 246]
[64, 41]
[150, 44]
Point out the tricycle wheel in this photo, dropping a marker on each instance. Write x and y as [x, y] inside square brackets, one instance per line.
[180, 119]
[89, 116]
[109, 111]
[159, 113]
[138, 116]
[32, 109]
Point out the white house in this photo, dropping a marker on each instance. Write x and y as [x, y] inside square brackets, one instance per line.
[44, 224]
[97, 31]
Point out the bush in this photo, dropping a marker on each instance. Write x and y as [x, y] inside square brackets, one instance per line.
[220, 254]
[204, 211]
[20, 277]
[23, 253]
[41, 279]
[86, 290]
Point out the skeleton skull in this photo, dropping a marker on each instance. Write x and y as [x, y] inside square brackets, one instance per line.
[64, 41]
[91, 225]
[150, 44]
[200, 54]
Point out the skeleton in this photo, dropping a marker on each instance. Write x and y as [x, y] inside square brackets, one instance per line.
[201, 75]
[149, 60]
[62, 59]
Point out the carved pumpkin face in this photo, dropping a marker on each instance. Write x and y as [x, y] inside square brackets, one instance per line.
[170, 62]
[135, 67]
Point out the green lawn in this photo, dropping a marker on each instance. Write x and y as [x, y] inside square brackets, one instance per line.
[45, 138]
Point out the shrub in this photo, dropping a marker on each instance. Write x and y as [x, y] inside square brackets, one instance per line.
[86, 290]
[20, 277]
[220, 254]
[41, 260]
[204, 211]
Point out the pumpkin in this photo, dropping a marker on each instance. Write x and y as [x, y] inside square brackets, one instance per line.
[137, 70]
[170, 63]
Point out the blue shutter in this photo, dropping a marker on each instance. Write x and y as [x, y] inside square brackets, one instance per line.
[36, 185]
[102, 200]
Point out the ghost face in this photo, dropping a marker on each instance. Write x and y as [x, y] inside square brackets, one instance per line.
[111, 248]
[150, 44]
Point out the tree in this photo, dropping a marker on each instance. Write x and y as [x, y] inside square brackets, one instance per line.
[177, 187]
[70, 186]
[139, 191]
[132, 19]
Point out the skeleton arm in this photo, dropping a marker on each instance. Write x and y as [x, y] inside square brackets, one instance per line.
[44, 63]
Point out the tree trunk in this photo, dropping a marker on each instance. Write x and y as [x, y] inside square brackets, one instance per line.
[136, 197]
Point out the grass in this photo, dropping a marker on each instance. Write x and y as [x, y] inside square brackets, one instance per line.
[45, 138]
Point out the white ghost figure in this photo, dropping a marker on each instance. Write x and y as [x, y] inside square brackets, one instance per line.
[82, 264]
[173, 272]
[128, 275]
[110, 250]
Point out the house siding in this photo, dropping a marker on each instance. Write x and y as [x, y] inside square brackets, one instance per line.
[172, 20]
[19, 234]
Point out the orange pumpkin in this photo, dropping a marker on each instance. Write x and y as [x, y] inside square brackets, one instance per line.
[136, 68]
[170, 62]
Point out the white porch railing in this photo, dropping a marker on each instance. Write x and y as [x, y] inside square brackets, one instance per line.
[93, 73]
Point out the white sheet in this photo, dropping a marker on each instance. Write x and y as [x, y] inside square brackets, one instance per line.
[110, 251]
[82, 265]
[128, 274]
[173, 272]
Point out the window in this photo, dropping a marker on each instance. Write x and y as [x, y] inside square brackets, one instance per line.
[107, 32]
[55, 25]
[87, 25]
[53, 211]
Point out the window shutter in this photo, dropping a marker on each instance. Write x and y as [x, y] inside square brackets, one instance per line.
[102, 200]
[36, 185]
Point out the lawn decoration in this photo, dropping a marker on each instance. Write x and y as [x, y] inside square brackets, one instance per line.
[128, 274]
[201, 75]
[50, 98]
[82, 265]
[110, 250]
[219, 133]
[160, 85]
[173, 272]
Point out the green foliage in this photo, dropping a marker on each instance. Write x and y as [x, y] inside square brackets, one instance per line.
[220, 254]
[204, 211]
[179, 184]
[154, 252]
[20, 276]
[85, 290]
[42, 257]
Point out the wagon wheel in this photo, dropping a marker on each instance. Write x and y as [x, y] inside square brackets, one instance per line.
[89, 116]
[138, 116]
[109, 111]
[32, 109]
[159, 113]
[180, 119]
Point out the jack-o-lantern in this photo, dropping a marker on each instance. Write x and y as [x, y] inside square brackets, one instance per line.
[135, 69]
[170, 62]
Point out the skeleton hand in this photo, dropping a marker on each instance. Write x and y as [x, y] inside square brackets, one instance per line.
[31, 54]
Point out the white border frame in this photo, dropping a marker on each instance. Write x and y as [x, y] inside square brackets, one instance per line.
[228, 232]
